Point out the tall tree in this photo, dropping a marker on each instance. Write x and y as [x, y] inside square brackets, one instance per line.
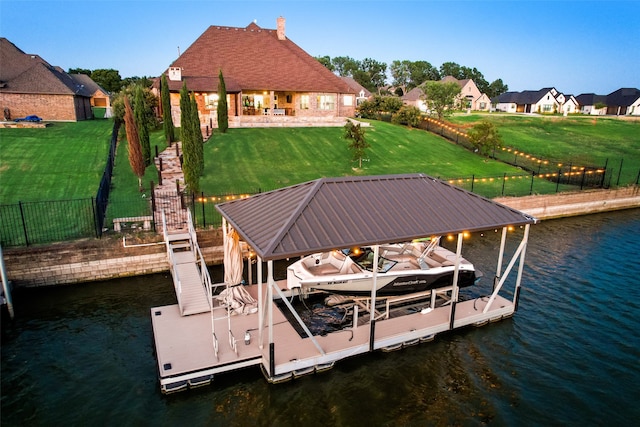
[440, 97]
[497, 87]
[197, 136]
[135, 153]
[167, 120]
[401, 74]
[354, 134]
[192, 159]
[420, 72]
[371, 74]
[139, 110]
[344, 66]
[108, 79]
[223, 110]
[451, 69]
[326, 61]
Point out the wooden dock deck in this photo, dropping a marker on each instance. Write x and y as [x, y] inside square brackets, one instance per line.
[185, 344]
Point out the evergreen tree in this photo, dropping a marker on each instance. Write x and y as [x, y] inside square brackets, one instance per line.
[141, 124]
[135, 153]
[169, 131]
[198, 141]
[190, 160]
[223, 113]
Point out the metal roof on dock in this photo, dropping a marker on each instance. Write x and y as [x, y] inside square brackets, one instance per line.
[330, 213]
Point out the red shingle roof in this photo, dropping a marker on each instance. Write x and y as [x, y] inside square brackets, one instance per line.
[253, 58]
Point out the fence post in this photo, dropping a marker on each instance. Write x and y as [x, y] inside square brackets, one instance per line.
[156, 151]
[178, 186]
[160, 173]
[584, 172]
[204, 218]
[473, 181]
[533, 175]
[504, 180]
[558, 180]
[619, 172]
[153, 205]
[96, 221]
[24, 225]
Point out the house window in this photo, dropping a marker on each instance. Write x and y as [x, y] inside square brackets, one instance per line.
[483, 105]
[348, 100]
[326, 102]
[547, 108]
[304, 102]
[211, 101]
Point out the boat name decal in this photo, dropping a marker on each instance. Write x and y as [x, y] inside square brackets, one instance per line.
[410, 282]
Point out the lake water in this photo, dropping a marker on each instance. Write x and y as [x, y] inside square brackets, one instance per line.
[84, 354]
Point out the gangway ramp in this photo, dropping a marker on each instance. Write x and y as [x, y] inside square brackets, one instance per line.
[189, 272]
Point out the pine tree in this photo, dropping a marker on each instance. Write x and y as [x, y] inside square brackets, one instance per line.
[167, 120]
[139, 111]
[198, 141]
[223, 113]
[190, 160]
[135, 153]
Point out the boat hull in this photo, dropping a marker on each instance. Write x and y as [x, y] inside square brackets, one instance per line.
[396, 285]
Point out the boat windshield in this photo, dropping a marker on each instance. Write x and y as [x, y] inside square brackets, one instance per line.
[365, 260]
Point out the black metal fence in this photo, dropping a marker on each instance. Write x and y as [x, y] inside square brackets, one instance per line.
[102, 196]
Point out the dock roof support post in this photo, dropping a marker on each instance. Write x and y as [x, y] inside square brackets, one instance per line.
[272, 361]
[372, 309]
[456, 273]
[260, 303]
[503, 242]
[525, 241]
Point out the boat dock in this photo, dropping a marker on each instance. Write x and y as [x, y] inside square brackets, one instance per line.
[187, 357]
[195, 344]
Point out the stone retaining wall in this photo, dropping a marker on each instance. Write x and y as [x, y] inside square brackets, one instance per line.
[111, 257]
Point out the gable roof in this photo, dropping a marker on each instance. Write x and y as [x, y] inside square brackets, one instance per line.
[590, 99]
[26, 73]
[414, 94]
[355, 86]
[330, 213]
[623, 97]
[88, 84]
[524, 97]
[253, 58]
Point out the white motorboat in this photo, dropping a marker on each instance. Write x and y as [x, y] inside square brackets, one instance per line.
[402, 268]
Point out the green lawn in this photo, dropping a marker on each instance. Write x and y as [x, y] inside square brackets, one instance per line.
[62, 161]
[579, 140]
[245, 160]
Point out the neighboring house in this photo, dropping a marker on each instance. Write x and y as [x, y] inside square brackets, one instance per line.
[265, 74]
[362, 93]
[570, 105]
[414, 98]
[470, 96]
[474, 99]
[547, 100]
[624, 101]
[99, 97]
[29, 85]
[589, 103]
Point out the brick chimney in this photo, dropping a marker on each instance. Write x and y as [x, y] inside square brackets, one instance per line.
[280, 29]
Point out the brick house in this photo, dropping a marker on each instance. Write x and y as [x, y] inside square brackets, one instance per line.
[269, 79]
[470, 96]
[30, 85]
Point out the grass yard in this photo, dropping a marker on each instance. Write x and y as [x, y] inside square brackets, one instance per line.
[245, 160]
[60, 162]
[575, 139]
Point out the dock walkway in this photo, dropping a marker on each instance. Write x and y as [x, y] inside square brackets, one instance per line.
[191, 350]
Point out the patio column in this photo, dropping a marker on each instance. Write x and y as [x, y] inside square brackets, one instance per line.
[516, 294]
[271, 282]
[260, 302]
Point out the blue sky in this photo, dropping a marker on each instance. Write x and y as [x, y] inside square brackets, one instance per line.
[576, 46]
